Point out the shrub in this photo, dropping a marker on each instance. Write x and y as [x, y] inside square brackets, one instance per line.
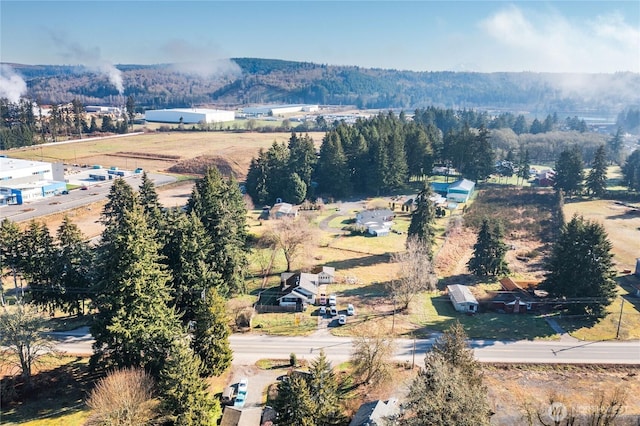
[293, 359]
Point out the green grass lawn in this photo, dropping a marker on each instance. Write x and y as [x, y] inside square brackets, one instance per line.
[433, 312]
[286, 324]
[58, 397]
[607, 327]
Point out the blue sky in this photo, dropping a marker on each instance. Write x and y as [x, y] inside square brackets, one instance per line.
[484, 36]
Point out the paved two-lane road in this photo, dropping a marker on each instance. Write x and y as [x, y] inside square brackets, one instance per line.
[249, 348]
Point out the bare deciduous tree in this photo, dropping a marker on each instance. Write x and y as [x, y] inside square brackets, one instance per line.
[372, 351]
[416, 273]
[293, 236]
[124, 397]
[21, 333]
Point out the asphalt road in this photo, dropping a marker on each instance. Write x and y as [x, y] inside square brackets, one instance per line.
[249, 348]
[96, 191]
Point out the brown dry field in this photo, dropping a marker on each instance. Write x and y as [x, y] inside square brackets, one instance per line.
[169, 148]
[622, 227]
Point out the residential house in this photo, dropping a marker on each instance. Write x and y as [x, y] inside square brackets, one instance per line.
[300, 289]
[378, 222]
[462, 299]
[281, 210]
[460, 191]
[376, 413]
[546, 178]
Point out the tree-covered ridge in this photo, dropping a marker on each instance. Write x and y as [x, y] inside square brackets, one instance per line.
[270, 80]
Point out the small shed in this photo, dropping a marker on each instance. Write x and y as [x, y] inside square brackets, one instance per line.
[460, 191]
[462, 299]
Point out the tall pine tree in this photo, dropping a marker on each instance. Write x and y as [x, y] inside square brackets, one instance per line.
[489, 251]
[134, 325]
[581, 268]
[219, 205]
[597, 177]
[422, 219]
[186, 397]
[211, 334]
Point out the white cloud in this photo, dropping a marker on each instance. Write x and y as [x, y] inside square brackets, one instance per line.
[549, 42]
[12, 86]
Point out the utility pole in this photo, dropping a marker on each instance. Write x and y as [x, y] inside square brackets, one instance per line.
[619, 320]
[413, 361]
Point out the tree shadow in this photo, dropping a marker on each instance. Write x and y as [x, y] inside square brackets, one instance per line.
[52, 394]
[362, 261]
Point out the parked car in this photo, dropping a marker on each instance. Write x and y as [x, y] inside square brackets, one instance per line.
[342, 319]
[241, 397]
[243, 384]
[333, 311]
[351, 310]
[332, 300]
[323, 310]
[227, 395]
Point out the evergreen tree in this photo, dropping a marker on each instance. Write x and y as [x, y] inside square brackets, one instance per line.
[93, 127]
[524, 168]
[294, 404]
[185, 394]
[631, 171]
[119, 200]
[569, 171]
[72, 266]
[423, 218]
[581, 267]
[332, 171]
[326, 392]
[520, 125]
[615, 145]
[134, 326]
[38, 256]
[481, 159]
[449, 390]
[10, 251]
[597, 177]
[148, 198]
[211, 334]
[302, 157]
[489, 252]
[219, 205]
[536, 127]
[187, 251]
[295, 189]
[256, 181]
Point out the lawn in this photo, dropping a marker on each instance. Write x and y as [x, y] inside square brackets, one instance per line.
[58, 396]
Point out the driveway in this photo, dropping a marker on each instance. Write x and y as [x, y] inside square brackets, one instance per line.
[259, 381]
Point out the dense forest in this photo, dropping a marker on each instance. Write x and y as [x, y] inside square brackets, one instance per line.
[277, 81]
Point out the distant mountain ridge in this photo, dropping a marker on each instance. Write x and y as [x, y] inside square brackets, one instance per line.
[281, 81]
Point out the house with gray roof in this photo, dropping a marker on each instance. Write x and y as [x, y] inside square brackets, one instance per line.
[376, 413]
[378, 221]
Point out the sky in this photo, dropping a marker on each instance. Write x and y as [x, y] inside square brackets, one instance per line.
[483, 36]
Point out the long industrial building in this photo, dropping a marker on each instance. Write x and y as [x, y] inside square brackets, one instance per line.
[22, 181]
[278, 109]
[189, 115]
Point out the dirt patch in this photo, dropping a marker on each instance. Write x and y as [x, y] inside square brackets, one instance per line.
[512, 387]
[199, 166]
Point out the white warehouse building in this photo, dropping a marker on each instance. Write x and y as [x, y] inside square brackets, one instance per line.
[279, 109]
[22, 181]
[189, 115]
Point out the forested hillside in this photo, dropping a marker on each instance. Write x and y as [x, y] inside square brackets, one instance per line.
[277, 81]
